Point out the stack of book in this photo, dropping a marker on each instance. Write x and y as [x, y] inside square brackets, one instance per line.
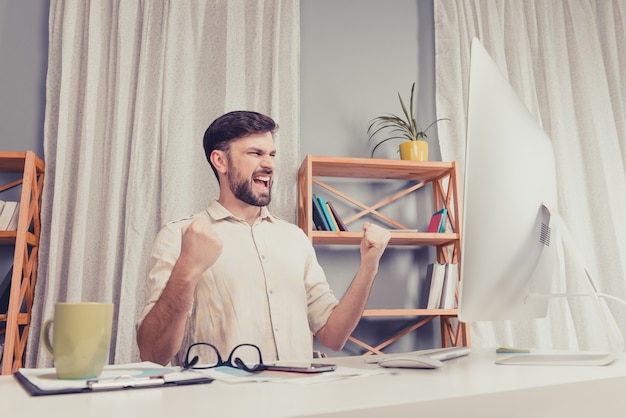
[9, 212]
[325, 217]
[444, 279]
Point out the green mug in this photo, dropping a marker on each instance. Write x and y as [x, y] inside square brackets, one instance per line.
[81, 338]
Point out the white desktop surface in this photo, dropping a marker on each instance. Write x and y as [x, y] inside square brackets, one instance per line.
[473, 386]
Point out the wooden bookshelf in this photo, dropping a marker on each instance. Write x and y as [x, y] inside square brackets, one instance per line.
[15, 322]
[442, 176]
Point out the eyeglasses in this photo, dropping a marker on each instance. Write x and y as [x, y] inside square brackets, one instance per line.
[207, 356]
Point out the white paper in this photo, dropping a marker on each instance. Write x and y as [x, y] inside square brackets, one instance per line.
[232, 375]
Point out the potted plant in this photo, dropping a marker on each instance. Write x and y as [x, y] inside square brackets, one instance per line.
[415, 147]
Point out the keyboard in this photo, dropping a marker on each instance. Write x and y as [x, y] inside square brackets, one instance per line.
[441, 354]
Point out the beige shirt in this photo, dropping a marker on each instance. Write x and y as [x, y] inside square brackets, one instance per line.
[266, 288]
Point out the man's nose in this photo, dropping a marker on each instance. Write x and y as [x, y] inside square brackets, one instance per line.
[268, 162]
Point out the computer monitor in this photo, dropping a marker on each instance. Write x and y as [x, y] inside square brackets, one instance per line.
[512, 237]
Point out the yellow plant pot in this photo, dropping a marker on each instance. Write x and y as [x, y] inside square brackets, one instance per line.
[414, 150]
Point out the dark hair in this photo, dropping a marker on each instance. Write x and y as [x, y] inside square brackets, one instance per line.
[232, 126]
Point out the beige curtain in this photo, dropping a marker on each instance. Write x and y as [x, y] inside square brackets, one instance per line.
[131, 87]
[566, 61]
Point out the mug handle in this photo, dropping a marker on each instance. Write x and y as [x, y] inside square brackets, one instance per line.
[45, 336]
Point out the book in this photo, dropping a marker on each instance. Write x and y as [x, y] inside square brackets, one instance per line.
[436, 272]
[319, 219]
[333, 220]
[5, 290]
[329, 217]
[12, 226]
[7, 213]
[444, 220]
[438, 221]
[450, 283]
[340, 224]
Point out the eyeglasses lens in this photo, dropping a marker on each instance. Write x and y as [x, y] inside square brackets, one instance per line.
[246, 353]
[207, 356]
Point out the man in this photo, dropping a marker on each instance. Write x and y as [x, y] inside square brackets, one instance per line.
[235, 274]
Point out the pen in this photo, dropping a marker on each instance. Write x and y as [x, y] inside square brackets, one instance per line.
[126, 383]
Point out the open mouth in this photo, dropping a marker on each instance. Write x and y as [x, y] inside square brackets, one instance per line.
[262, 181]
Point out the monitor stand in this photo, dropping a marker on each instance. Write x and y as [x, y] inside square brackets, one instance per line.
[611, 329]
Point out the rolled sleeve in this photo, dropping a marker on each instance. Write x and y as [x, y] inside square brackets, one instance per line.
[165, 252]
[320, 298]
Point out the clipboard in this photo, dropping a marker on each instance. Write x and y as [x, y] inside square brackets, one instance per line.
[42, 382]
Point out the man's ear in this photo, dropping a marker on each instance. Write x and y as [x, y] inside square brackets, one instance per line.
[219, 161]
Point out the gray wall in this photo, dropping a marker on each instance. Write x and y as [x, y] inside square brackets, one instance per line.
[23, 66]
[356, 55]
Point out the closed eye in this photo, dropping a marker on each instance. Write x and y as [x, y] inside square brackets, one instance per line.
[260, 153]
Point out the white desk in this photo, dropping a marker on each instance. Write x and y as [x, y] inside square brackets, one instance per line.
[471, 386]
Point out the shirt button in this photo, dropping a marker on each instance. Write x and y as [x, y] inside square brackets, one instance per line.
[271, 292]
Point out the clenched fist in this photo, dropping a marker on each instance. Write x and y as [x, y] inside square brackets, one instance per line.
[201, 246]
[373, 243]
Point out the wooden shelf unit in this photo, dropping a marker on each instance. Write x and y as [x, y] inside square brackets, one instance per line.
[15, 323]
[443, 176]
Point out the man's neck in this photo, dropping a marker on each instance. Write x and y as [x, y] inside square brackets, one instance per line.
[249, 213]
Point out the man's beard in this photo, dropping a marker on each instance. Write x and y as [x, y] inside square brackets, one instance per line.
[242, 189]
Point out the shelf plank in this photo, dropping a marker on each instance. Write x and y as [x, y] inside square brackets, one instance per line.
[13, 162]
[22, 319]
[397, 238]
[371, 168]
[9, 237]
[409, 312]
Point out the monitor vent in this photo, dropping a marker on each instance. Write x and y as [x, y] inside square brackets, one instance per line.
[545, 234]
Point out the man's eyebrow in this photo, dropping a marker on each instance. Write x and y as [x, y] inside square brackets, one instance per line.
[261, 150]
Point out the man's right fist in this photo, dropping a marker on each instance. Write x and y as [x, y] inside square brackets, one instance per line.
[201, 246]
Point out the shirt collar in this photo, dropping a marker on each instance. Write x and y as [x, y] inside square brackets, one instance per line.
[219, 212]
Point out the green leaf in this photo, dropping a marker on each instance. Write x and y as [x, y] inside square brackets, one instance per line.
[406, 128]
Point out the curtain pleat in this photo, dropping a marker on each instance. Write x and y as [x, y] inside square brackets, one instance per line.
[131, 87]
